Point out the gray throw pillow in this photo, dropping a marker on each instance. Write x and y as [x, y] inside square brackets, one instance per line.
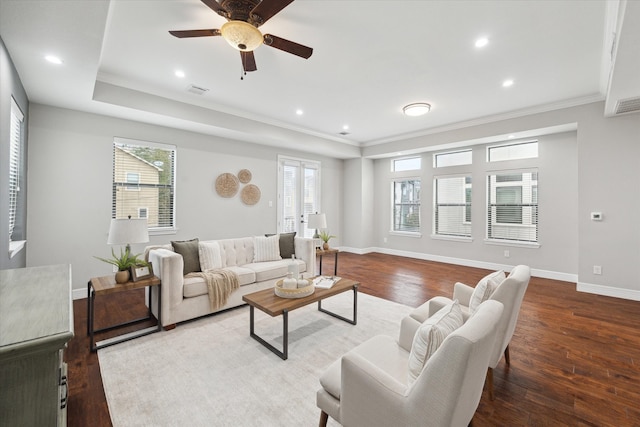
[190, 255]
[287, 246]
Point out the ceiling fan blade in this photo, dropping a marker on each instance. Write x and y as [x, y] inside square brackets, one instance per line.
[195, 33]
[288, 46]
[267, 9]
[215, 6]
[248, 61]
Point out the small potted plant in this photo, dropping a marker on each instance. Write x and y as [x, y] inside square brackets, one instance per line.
[325, 237]
[124, 262]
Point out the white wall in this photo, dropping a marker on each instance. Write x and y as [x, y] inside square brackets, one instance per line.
[605, 168]
[70, 173]
[558, 189]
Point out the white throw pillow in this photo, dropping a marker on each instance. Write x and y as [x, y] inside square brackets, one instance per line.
[431, 334]
[485, 288]
[210, 256]
[266, 248]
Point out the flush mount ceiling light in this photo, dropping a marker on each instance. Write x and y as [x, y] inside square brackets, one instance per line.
[53, 59]
[416, 109]
[241, 35]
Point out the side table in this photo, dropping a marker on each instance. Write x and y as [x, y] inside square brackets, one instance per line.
[321, 252]
[107, 285]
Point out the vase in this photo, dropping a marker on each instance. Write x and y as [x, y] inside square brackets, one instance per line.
[325, 246]
[122, 276]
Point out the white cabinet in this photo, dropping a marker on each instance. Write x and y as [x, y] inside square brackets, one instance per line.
[36, 322]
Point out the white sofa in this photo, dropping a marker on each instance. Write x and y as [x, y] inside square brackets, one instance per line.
[185, 298]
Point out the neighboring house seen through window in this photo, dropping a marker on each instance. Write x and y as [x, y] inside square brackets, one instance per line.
[144, 182]
[452, 206]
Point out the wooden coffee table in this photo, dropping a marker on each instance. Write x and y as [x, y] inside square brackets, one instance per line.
[267, 301]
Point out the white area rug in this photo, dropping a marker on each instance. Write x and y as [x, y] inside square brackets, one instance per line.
[210, 372]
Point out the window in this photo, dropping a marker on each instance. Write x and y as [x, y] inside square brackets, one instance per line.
[521, 150]
[513, 206]
[452, 206]
[144, 182]
[406, 205]
[408, 164]
[299, 194]
[456, 158]
[15, 160]
[133, 178]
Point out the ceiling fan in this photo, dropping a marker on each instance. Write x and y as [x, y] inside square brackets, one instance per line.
[241, 29]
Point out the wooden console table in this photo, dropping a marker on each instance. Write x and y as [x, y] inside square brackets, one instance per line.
[107, 285]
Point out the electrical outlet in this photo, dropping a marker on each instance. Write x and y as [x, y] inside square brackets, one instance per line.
[507, 254]
[597, 269]
[385, 240]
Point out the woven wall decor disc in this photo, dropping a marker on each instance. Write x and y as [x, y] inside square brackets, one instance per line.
[244, 175]
[250, 194]
[227, 185]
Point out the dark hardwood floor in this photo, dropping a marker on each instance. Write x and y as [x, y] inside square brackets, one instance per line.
[575, 357]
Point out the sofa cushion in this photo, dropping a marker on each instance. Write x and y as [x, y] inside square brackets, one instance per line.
[431, 334]
[245, 276]
[210, 256]
[287, 245]
[380, 350]
[266, 248]
[190, 254]
[485, 288]
[273, 269]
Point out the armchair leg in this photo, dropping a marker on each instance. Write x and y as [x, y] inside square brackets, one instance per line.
[324, 417]
[506, 355]
[489, 383]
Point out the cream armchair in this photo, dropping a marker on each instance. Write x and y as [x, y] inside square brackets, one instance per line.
[509, 292]
[369, 386]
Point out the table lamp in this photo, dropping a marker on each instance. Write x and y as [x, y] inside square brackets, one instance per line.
[317, 221]
[127, 231]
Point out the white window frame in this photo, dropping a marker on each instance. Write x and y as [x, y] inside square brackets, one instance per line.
[153, 230]
[435, 234]
[302, 211]
[400, 159]
[512, 144]
[15, 161]
[393, 230]
[452, 153]
[491, 223]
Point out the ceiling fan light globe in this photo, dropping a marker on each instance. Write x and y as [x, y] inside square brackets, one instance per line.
[241, 35]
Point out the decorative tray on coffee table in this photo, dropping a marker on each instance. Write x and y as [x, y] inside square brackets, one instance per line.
[294, 293]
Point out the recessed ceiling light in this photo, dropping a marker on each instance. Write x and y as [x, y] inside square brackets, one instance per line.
[299, 112]
[511, 136]
[180, 73]
[53, 59]
[507, 83]
[416, 109]
[482, 42]
[345, 127]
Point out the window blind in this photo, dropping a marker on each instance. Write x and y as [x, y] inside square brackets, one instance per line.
[452, 206]
[15, 145]
[406, 206]
[512, 211]
[144, 182]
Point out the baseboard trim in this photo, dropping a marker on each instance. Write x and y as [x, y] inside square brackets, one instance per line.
[545, 274]
[608, 291]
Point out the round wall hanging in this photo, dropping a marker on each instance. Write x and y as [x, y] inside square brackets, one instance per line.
[244, 175]
[227, 185]
[250, 194]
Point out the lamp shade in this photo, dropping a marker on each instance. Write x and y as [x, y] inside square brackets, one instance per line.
[317, 221]
[241, 35]
[125, 231]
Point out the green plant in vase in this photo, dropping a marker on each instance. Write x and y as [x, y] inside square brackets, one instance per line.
[123, 263]
[325, 237]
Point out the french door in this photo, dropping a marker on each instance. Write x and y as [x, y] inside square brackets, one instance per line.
[298, 194]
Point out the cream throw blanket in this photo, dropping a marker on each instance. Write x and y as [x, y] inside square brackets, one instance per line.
[221, 283]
